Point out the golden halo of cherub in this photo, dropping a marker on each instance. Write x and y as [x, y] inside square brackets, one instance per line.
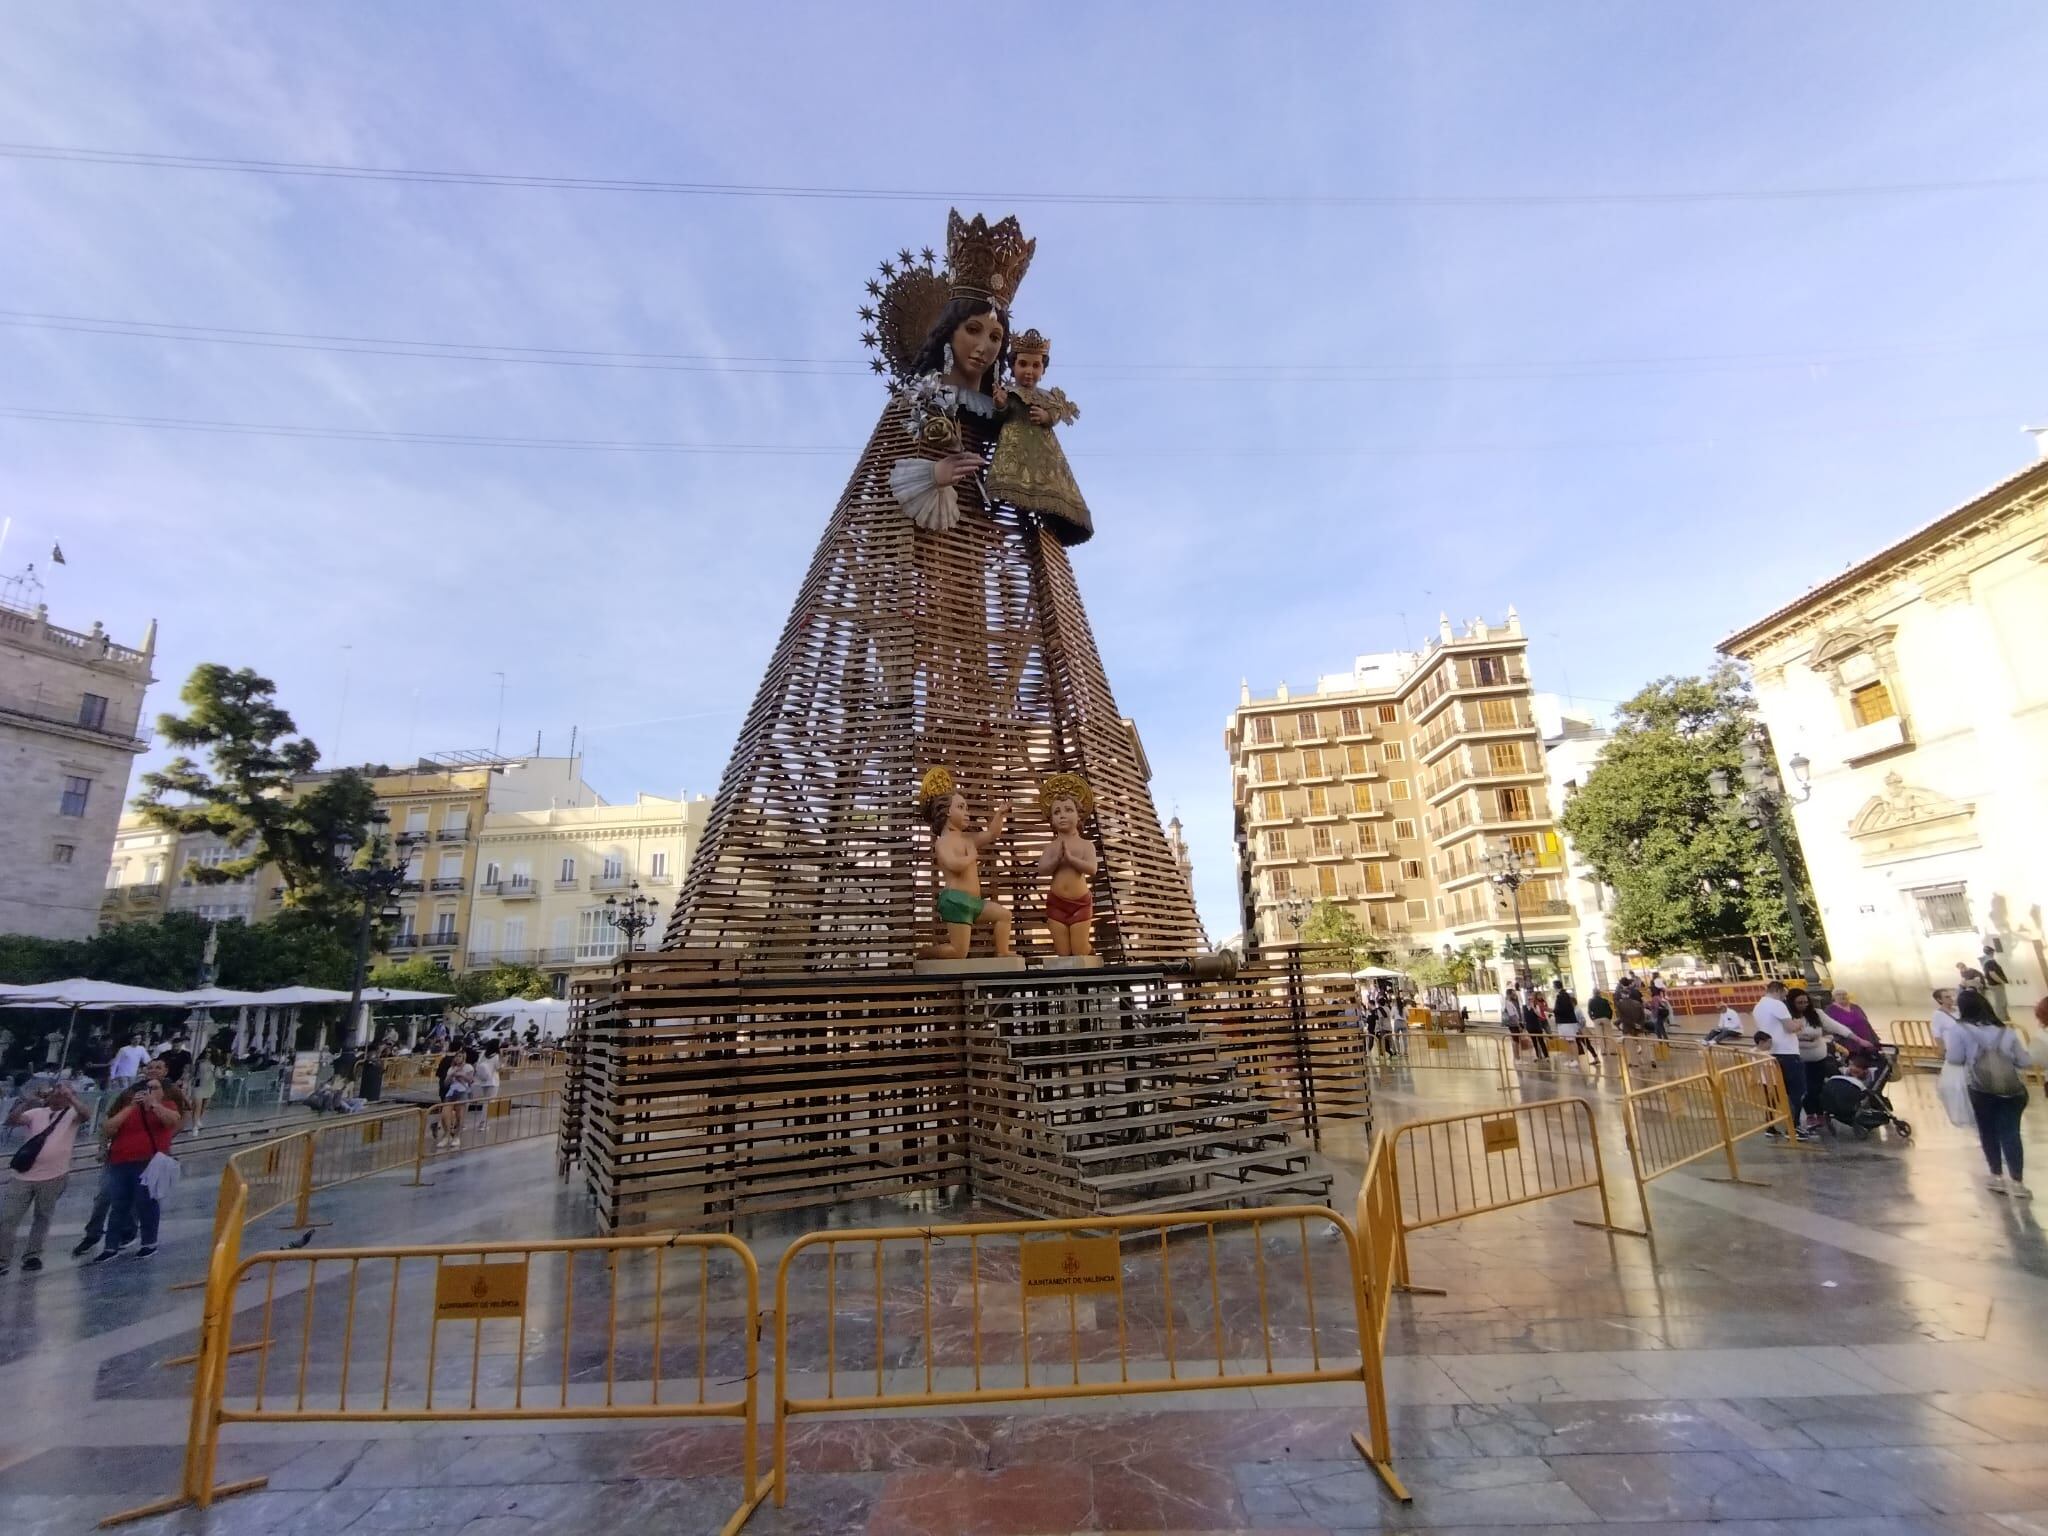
[1066, 786]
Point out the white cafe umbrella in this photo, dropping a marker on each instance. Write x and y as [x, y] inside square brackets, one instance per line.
[1376, 973]
[76, 992]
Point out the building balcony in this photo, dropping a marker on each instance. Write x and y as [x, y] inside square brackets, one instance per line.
[412, 885]
[570, 884]
[403, 943]
[440, 938]
[609, 882]
[563, 956]
[658, 880]
[452, 835]
[142, 894]
[413, 839]
[1460, 677]
[504, 956]
[518, 888]
[447, 883]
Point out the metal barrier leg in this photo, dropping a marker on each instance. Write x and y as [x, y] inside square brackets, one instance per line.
[1727, 1137]
[1606, 1223]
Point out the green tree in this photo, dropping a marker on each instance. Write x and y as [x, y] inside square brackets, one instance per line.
[249, 795]
[292, 950]
[1688, 872]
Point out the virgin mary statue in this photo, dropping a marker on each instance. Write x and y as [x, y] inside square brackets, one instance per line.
[936, 627]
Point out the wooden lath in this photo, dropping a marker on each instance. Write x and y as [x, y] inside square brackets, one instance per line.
[905, 649]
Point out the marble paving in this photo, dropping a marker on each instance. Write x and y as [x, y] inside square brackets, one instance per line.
[1856, 1349]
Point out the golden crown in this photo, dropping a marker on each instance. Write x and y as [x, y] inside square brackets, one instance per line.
[1066, 786]
[936, 785]
[983, 261]
[1031, 341]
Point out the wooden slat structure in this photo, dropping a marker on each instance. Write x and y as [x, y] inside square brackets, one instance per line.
[713, 1095]
[907, 649]
[782, 1050]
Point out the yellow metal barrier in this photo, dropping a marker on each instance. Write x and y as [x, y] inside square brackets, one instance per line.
[1145, 1296]
[1916, 1042]
[1752, 1093]
[1469, 1050]
[1734, 1094]
[1428, 1172]
[399, 1335]
[1383, 1237]
[1455, 1166]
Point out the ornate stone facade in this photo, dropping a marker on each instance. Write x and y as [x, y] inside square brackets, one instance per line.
[1916, 685]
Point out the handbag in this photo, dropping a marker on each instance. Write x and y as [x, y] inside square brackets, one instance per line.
[26, 1154]
[160, 1173]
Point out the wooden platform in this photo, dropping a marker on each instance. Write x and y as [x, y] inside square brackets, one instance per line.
[706, 1096]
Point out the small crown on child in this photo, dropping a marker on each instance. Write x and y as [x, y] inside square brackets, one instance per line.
[936, 785]
[1066, 786]
[1031, 341]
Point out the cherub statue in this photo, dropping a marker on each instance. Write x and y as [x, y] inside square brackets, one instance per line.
[1070, 858]
[1029, 469]
[957, 852]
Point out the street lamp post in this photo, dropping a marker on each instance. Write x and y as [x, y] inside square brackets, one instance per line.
[1295, 910]
[373, 882]
[1763, 799]
[633, 916]
[1510, 868]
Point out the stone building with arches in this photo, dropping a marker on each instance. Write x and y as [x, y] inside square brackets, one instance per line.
[1916, 686]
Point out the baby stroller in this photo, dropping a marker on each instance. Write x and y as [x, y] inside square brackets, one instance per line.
[1860, 1102]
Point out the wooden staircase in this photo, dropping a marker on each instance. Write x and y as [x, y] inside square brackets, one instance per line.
[1092, 1093]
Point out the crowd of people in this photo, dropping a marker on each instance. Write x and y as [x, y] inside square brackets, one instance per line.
[147, 1095]
[1829, 1056]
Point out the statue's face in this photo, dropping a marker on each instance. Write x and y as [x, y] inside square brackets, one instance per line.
[977, 342]
[1029, 368]
[1066, 815]
[956, 814]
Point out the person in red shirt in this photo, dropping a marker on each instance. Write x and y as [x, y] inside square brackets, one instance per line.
[137, 1129]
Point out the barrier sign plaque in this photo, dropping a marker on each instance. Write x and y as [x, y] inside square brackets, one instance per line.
[1499, 1135]
[1071, 1266]
[480, 1290]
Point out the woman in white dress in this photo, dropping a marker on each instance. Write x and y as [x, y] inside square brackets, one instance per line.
[1952, 1087]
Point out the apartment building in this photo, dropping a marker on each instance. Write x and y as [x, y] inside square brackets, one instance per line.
[150, 874]
[1395, 790]
[70, 730]
[437, 811]
[543, 877]
[143, 868]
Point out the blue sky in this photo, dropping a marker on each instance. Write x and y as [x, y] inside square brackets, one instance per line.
[1643, 420]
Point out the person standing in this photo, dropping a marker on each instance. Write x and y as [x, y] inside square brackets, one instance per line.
[1564, 1009]
[206, 1071]
[1514, 1020]
[1952, 1085]
[34, 1190]
[177, 1061]
[1774, 1022]
[1994, 980]
[1815, 1028]
[1993, 1058]
[1599, 1011]
[126, 1066]
[136, 1132]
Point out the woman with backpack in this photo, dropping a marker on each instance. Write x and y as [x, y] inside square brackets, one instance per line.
[1993, 1056]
